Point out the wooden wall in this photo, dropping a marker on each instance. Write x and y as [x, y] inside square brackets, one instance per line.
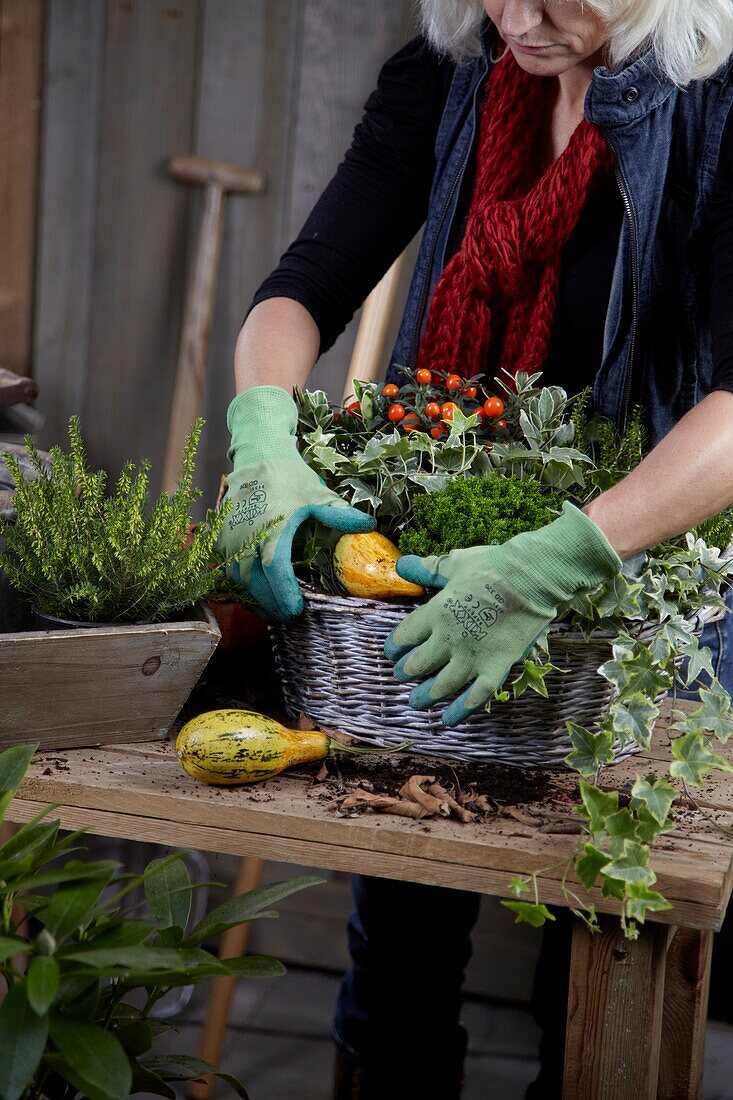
[273, 84]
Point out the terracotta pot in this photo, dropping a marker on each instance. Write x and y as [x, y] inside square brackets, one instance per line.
[241, 630]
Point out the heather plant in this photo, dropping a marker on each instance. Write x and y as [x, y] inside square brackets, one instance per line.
[77, 553]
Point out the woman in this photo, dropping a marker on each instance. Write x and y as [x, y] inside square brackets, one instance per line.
[572, 162]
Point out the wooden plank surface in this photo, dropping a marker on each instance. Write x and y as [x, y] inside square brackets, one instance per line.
[685, 1015]
[21, 65]
[93, 674]
[141, 792]
[615, 1013]
[72, 94]
[250, 47]
[147, 112]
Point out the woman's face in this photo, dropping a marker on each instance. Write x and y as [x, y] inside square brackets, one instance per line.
[548, 37]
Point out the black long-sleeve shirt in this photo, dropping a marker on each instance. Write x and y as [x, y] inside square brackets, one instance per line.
[378, 199]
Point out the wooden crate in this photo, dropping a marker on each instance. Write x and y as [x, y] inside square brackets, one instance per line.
[100, 685]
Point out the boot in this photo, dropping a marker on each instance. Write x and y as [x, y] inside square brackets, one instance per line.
[429, 1080]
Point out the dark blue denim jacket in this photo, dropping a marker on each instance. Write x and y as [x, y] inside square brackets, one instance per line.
[657, 337]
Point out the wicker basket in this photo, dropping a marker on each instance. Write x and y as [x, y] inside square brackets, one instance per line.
[333, 669]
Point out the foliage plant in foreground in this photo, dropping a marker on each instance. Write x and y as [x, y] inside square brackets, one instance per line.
[83, 976]
[556, 449]
[77, 553]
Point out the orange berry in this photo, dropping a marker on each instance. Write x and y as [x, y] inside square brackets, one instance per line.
[354, 408]
[395, 413]
[432, 409]
[424, 377]
[453, 382]
[470, 391]
[411, 422]
[447, 410]
[390, 390]
[437, 431]
[493, 406]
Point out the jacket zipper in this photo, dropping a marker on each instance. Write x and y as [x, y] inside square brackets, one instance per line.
[634, 283]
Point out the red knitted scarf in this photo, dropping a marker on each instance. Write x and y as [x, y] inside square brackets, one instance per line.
[493, 305]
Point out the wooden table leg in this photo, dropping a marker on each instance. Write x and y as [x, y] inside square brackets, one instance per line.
[232, 943]
[615, 1012]
[686, 989]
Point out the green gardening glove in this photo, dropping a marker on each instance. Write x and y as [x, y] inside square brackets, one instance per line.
[495, 601]
[271, 480]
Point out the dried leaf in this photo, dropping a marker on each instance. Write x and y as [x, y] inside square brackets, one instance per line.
[456, 809]
[413, 790]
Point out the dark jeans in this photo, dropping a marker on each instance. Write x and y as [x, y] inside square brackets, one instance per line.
[410, 945]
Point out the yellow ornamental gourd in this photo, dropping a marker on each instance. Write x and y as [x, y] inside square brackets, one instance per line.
[227, 747]
[365, 566]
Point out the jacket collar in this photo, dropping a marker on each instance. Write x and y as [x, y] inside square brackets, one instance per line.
[613, 99]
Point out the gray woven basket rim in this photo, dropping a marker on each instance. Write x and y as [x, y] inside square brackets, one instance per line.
[352, 604]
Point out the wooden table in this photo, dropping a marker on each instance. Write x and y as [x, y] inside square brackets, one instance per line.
[139, 792]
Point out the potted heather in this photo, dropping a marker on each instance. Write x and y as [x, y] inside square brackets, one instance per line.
[121, 566]
[82, 974]
[83, 556]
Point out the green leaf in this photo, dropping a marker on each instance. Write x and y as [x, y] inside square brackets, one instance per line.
[597, 805]
[142, 958]
[640, 900]
[246, 907]
[13, 766]
[120, 933]
[184, 1067]
[95, 1062]
[589, 866]
[533, 676]
[23, 851]
[529, 913]
[631, 865]
[714, 714]
[168, 890]
[22, 1041]
[70, 907]
[633, 718]
[11, 945]
[43, 981]
[590, 750]
[255, 966]
[73, 871]
[693, 759]
[656, 794]
[144, 1080]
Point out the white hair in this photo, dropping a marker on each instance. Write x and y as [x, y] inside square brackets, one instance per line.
[690, 39]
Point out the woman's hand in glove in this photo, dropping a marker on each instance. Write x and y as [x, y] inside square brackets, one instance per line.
[494, 602]
[271, 480]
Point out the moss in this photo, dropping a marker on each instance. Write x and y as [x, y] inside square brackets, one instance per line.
[477, 511]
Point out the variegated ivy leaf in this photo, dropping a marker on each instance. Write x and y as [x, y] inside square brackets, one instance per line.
[632, 718]
[714, 713]
[528, 913]
[631, 865]
[460, 424]
[656, 794]
[636, 673]
[590, 865]
[640, 900]
[362, 492]
[597, 806]
[590, 750]
[693, 759]
[533, 676]
[620, 596]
